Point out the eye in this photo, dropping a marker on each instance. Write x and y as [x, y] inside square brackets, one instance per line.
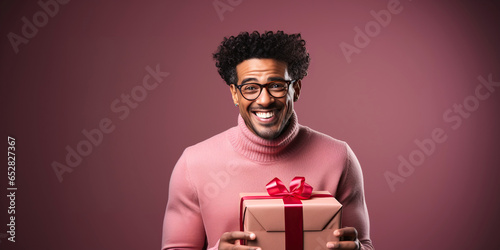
[250, 87]
[277, 85]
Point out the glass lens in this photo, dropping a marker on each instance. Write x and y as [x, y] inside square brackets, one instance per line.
[277, 89]
[250, 91]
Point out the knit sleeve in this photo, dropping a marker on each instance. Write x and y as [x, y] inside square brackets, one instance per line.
[351, 195]
[183, 224]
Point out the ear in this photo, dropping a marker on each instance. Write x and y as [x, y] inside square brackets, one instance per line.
[234, 93]
[297, 86]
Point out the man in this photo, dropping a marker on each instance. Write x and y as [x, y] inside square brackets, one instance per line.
[264, 73]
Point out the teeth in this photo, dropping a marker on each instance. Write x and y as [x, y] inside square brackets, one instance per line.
[264, 115]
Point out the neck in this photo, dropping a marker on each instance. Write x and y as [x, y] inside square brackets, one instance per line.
[260, 149]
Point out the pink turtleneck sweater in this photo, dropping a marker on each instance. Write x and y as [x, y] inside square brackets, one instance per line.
[203, 200]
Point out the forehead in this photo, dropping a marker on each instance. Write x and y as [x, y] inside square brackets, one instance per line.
[261, 68]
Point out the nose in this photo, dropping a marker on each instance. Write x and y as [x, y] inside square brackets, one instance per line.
[264, 99]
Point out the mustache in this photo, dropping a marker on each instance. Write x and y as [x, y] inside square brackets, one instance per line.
[261, 107]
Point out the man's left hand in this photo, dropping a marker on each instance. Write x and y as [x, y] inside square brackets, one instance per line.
[348, 239]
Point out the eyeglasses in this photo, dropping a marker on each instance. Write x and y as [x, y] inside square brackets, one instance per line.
[276, 89]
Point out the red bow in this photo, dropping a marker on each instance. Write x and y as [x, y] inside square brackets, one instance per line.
[298, 188]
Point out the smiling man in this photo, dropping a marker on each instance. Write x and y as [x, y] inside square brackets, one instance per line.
[264, 73]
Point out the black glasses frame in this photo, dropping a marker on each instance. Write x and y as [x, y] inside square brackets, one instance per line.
[266, 86]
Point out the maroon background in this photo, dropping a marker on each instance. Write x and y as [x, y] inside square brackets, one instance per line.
[395, 91]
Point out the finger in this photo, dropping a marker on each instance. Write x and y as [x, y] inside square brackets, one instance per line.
[347, 233]
[241, 247]
[228, 246]
[353, 245]
[229, 241]
[237, 235]
[237, 247]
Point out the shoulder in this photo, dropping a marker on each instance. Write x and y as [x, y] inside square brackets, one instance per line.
[213, 145]
[321, 140]
[197, 156]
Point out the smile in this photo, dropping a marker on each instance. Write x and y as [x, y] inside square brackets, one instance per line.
[264, 115]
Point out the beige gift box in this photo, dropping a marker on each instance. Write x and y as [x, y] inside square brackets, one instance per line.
[266, 218]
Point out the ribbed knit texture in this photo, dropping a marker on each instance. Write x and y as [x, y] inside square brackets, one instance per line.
[258, 149]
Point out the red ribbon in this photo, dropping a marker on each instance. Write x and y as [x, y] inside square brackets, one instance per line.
[299, 190]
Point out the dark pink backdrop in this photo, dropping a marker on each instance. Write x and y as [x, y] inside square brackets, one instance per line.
[426, 59]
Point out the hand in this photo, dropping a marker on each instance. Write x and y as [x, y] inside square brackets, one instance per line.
[230, 240]
[348, 239]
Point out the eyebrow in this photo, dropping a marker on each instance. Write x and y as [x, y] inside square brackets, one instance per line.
[249, 80]
[270, 79]
[276, 78]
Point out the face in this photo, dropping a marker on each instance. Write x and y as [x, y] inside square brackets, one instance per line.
[265, 116]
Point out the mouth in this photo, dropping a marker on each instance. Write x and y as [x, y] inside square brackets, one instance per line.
[265, 116]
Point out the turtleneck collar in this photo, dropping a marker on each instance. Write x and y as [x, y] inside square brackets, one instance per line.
[258, 149]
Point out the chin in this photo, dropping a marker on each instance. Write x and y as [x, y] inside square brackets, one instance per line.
[268, 135]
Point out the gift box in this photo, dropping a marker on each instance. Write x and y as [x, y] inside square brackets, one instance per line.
[295, 219]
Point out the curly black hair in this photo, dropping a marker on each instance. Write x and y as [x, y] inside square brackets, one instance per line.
[280, 46]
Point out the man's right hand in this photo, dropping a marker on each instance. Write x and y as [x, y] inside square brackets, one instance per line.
[230, 240]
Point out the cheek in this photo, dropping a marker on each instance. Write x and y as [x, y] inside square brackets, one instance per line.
[288, 103]
[244, 105]
[289, 109]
